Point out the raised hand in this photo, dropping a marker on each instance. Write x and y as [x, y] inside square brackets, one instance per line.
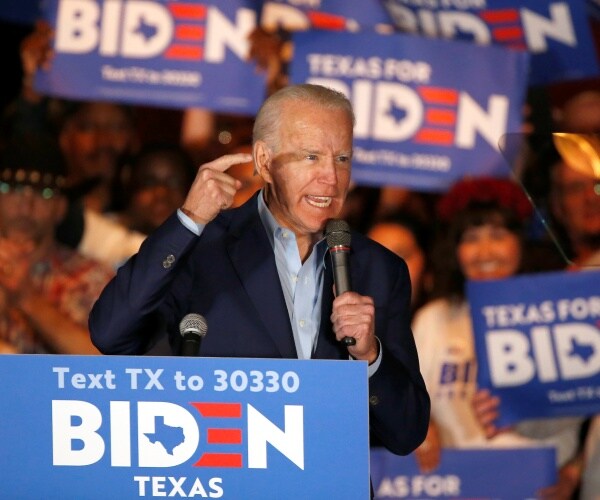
[213, 189]
[36, 53]
[486, 409]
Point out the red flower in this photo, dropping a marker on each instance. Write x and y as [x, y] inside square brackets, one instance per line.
[503, 192]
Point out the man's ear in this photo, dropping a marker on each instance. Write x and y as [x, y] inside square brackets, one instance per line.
[263, 160]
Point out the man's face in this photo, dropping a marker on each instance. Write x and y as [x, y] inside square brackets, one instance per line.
[27, 216]
[309, 173]
[94, 139]
[576, 203]
[161, 187]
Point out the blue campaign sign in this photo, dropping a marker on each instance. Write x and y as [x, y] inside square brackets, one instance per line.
[465, 474]
[537, 340]
[100, 427]
[336, 15]
[556, 33]
[420, 122]
[167, 53]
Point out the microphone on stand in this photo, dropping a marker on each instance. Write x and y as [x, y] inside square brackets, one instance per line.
[337, 234]
[193, 328]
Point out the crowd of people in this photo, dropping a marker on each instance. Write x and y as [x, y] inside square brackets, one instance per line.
[82, 189]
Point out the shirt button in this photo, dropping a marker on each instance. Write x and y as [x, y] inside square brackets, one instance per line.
[373, 400]
[295, 278]
[301, 323]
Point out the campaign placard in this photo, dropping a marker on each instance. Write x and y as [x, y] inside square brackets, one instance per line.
[335, 15]
[100, 427]
[556, 33]
[420, 123]
[465, 474]
[169, 53]
[537, 341]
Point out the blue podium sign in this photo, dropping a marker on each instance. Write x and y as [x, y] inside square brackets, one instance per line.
[132, 427]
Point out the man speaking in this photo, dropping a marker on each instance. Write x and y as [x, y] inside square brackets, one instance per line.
[259, 273]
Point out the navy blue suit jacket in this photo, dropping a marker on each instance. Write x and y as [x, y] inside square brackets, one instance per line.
[229, 276]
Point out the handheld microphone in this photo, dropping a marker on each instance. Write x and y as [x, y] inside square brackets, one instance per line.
[192, 328]
[337, 234]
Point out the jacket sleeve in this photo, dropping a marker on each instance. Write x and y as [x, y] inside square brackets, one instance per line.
[122, 319]
[398, 400]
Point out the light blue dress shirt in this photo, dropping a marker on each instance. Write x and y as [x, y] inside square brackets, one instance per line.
[302, 283]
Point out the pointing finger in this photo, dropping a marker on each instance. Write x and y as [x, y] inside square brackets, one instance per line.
[224, 162]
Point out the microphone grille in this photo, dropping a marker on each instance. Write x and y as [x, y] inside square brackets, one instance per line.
[193, 323]
[337, 233]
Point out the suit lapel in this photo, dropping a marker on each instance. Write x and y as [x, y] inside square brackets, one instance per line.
[252, 257]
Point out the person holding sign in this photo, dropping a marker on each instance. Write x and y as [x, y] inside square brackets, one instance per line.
[568, 192]
[574, 203]
[259, 273]
[484, 222]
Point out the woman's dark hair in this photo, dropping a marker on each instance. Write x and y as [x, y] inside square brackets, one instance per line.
[449, 281]
[405, 218]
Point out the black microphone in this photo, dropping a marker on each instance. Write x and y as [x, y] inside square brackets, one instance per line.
[337, 234]
[192, 328]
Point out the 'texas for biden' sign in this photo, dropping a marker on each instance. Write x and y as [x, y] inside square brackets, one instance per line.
[538, 343]
[420, 123]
